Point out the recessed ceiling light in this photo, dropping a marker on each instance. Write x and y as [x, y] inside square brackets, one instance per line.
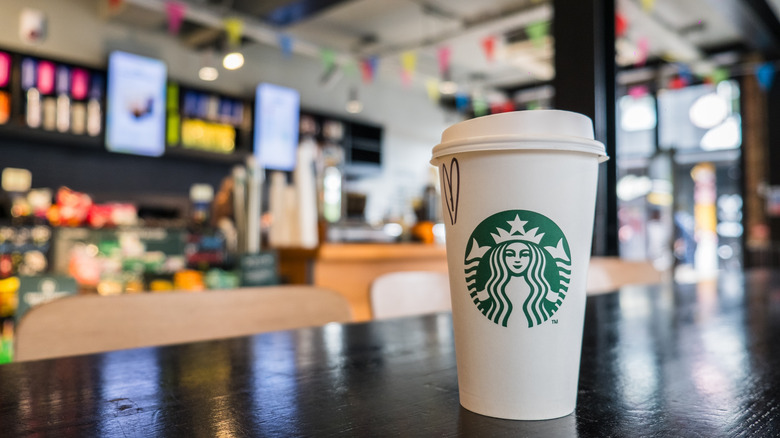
[233, 61]
[208, 74]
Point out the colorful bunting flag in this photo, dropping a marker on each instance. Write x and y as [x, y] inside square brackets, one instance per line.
[235, 30]
[408, 66]
[685, 73]
[444, 60]
[648, 5]
[432, 87]
[621, 24]
[489, 46]
[328, 58]
[538, 32]
[765, 73]
[642, 51]
[286, 45]
[176, 12]
[719, 75]
[367, 72]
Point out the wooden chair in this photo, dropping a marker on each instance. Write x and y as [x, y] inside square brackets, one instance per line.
[86, 324]
[410, 293]
[608, 274]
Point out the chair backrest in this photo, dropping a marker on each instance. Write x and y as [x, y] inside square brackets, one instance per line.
[410, 293]
[607, 274]
[91, 323]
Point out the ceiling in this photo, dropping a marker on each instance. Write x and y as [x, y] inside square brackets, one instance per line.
[688, 31]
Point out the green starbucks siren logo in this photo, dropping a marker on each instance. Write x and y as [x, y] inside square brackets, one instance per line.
[518, 256]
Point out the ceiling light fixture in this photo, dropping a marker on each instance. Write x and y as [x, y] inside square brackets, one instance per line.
[354, 105]
[233, 61]
[208, 74]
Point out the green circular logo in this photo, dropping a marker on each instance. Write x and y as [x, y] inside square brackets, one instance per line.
[518, 256]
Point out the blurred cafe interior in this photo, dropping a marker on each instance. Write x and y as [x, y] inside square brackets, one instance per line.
[152, 146]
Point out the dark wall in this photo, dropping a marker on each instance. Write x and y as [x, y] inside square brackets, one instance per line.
[110, 176]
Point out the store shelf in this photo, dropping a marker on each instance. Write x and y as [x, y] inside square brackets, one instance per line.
[195, 154]
[40, 136]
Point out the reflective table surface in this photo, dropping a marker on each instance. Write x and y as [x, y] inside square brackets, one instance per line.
[685, 361]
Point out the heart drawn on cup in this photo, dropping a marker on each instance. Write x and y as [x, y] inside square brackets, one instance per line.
[451, 186]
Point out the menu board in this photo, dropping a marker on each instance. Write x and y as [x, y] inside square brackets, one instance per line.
[277, 110]
[135, 119]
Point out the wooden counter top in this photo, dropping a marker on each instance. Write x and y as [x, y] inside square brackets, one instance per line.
[351, 268]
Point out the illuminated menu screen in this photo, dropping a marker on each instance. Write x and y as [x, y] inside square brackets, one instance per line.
[277, 110]
[135, 119]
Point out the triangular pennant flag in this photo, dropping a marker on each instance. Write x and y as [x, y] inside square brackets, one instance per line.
[685, 73]
[765, 73]
[489, 46]
[642, 51]
[286, 45]
[366, 70]
[648, 5]
[409, 62]
[444, 60]
[176, 12]
[374, 63]
[538, 32]
[406, 78]
[432, 87]
[408, 65]
[328, 58]
[621, 24]
[719, 75]
[235, 30]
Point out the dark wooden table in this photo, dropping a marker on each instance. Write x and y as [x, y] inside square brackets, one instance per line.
[693, 361]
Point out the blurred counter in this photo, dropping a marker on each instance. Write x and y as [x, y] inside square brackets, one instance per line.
[349, 268]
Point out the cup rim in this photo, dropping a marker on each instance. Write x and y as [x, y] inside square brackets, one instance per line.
[520, 142]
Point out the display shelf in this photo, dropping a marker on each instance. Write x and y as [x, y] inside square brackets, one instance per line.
[26, 134]
[195, 154]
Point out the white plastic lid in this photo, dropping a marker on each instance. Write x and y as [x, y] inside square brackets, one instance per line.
[522, 130]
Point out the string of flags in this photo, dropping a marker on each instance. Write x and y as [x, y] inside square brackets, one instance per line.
[366, 68]
[764, 72]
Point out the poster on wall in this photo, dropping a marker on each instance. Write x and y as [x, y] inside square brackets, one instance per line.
[277, 110]
[135, 119]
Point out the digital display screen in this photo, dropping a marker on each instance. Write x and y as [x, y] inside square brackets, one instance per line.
[135, 118]
[277, 110]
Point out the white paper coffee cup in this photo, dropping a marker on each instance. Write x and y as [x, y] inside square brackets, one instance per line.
[518, 200]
